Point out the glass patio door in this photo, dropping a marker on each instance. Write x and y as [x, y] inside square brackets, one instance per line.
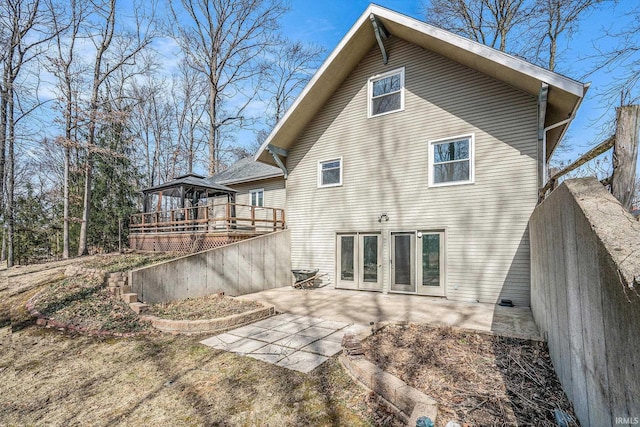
[403, 250]
[359, 261]
[417, 262]
[431, 263]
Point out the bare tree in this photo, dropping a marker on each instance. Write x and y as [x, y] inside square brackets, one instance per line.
[559, 18]
[292, 66]
[25, 28]
[152, 118]
[64, 66]
[108, 60]
[225, 40]
[622, 61]
[189, 94]
[529, 28]
[490, 22]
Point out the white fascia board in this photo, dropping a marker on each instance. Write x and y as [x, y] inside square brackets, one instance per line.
[364, 19]
[553, 79]
[474, 48]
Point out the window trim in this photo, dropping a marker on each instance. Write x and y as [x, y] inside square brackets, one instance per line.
[377, 77]
[256, 191]
[319, 172]
[472, 144]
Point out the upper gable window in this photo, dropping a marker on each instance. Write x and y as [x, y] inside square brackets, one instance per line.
[330, 173]
[451, 161]
[386, 93]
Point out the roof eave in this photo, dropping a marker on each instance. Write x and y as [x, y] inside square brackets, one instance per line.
[251, 179]
[565, 98]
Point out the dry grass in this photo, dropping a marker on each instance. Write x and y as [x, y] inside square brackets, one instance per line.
[112, 263]
[57, 379]
[86, 303]
[477, 379]
[209, 307]
[61, 379]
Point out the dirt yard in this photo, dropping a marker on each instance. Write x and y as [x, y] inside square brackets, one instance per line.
[477, 379]
[60, 379]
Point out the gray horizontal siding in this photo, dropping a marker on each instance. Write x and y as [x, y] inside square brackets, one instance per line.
[385, 171]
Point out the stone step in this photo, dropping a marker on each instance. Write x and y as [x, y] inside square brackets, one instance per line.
[139, 307]
[117, 282]
[130, 297]
[125, 289]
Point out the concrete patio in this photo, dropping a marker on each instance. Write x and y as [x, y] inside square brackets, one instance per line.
[361, 308]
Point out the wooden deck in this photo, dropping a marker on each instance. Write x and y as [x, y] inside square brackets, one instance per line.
[203, 227]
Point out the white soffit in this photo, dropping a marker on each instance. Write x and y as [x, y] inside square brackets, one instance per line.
[564, 96]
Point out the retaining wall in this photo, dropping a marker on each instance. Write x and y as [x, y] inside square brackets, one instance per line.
[585, 268]
[240, 268]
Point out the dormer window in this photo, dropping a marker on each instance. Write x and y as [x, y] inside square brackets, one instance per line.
[386, 93]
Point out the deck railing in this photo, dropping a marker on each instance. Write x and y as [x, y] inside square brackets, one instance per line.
[226, 217]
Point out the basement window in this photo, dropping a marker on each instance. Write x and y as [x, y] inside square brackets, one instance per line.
[451, 161]
[386, 93]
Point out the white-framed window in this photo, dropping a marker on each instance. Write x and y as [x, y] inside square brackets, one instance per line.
[257, 197]
[330, 172]
[386, 93]
[451, 161]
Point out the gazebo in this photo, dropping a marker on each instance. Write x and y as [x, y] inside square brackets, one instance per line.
[191, 213]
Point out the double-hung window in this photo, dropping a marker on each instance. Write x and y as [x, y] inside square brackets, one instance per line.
[386, 93]
[257, 197]
[451, 161]
[330, 173]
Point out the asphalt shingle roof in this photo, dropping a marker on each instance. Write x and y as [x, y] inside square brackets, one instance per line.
[245, 170]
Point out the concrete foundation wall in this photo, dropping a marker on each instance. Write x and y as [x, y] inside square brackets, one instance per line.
[240, 268]
[585, 268]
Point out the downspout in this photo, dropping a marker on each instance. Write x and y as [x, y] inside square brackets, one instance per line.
[542, 116]
[555, 125]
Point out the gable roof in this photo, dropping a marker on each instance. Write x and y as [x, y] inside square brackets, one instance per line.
[190, 182]
[245, 170]
[563, 99]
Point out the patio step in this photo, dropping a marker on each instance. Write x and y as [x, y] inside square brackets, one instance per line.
[130, 297]
[139, 307]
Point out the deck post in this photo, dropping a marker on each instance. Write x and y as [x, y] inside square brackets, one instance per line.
[227, 214]
[253, 217]
[275, 219]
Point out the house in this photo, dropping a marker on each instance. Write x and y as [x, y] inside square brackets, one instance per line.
[413, 159]
[255, 183]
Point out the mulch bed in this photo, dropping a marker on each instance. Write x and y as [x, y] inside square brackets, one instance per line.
[209, 307]
[478, 379]
[87, 304]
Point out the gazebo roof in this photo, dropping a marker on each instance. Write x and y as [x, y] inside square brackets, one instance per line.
[190, 183]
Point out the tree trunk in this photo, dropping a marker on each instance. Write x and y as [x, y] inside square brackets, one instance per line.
[212, 129]
[10, 179]
[65, 202]
[625, 154]
[83, 249]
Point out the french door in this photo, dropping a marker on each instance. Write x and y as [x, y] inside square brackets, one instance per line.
[359, 261]
[417, 262]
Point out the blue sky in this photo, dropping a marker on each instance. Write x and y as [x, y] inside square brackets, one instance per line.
[325, 22]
